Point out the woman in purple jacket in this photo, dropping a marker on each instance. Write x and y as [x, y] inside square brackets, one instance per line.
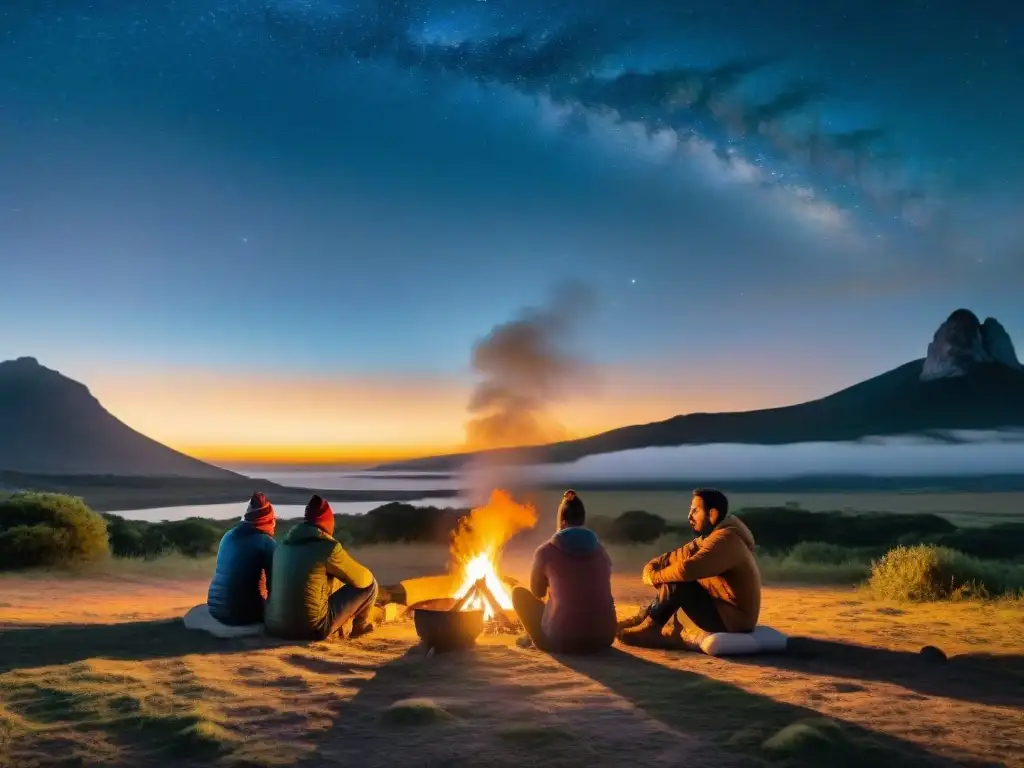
[575, 574]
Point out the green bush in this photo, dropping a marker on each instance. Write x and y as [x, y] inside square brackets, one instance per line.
[637, 527]
[200, 537]
[49, 529]
[779, 529]
[821, 553]
[926, 572]
[193, 537]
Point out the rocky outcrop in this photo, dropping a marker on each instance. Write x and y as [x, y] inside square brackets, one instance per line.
[998, 344]
[963, 342]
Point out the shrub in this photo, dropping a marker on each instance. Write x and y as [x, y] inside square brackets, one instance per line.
[193, 537]
[1004, 541]
[820, 553]
[779, 529]
[926, 572]
[787, 570]
[49, 529]
[397, 522]
[637, 527]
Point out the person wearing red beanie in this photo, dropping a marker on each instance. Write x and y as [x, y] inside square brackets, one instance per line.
[238, 590]
[317, 587]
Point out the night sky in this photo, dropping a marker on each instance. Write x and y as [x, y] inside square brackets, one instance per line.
[276, 229]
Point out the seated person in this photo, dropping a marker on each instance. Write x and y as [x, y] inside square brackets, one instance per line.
[713, 579]
[317, 587]
[574, 572]
[238, 589]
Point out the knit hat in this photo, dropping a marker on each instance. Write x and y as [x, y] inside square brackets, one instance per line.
[260, 512]
[319, 513]
[571, 509]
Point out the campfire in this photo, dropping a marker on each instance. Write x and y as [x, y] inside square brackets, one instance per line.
[475, 558]
[482, 589]
[451, 610]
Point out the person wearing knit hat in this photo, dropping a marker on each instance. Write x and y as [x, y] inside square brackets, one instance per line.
[318, 588]
[319, 513]
[573, 571]
[239, 588]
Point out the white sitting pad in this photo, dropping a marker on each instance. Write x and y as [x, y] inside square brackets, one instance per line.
[200, 618]
[761, 640]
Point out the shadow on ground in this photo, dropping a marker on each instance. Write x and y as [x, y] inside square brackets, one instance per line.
[990, 679]
[23, 648]
[501, 706]
[458, 709]
[736, 719]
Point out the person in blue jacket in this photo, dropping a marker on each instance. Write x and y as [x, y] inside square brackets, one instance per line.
[241, 581]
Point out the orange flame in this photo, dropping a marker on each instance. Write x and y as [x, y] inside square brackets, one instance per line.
[477, 544]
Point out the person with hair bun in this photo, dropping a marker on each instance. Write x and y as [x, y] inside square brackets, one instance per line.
[573, 571]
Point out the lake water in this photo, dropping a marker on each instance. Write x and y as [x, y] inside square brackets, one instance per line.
[427, 482]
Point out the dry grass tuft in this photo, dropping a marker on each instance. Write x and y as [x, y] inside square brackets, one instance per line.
[416, 712]
[817, 736]
[927, 573]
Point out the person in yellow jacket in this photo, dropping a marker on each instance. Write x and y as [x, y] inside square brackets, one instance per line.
[316, 587]
[713, 579]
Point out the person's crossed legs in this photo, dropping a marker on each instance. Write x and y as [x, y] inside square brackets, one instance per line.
[690, 598]
[351, 603]
[686, 596]
[530, 611]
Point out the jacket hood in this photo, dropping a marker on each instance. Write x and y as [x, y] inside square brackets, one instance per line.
[304, 533]
[740, 528]
[576, 540]
[248, 528]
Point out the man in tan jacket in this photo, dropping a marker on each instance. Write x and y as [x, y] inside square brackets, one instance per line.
[713, 579]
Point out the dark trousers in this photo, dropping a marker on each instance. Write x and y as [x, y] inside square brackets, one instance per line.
[349, 603]
[531, 611]
[692, 599]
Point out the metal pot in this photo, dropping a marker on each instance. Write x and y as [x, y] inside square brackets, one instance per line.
[442, 629]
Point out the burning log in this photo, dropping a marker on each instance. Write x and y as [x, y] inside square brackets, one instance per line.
[465, 600]
[492, 608]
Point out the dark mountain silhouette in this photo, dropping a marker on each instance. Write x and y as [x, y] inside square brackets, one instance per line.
[970, 380]
[52, 425]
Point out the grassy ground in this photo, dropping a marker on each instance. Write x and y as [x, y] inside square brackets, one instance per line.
[97, 669]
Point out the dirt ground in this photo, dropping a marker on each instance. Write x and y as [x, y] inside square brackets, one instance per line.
[100, 671]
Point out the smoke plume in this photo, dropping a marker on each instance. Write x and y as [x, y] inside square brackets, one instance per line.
[524, 366]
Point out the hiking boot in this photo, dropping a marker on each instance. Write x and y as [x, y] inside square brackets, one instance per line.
[633, 621]
[360, 628]
[525, 642]
[648, 634]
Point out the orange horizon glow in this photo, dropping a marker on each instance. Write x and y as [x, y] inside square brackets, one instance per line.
[225, 418]
[305, 455]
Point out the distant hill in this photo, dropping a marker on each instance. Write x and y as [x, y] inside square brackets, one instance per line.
[52, 425]
[969, 380]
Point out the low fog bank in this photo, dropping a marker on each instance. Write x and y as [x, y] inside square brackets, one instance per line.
[945, 455]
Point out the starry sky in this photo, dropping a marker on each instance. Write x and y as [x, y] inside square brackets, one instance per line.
[277, 228]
